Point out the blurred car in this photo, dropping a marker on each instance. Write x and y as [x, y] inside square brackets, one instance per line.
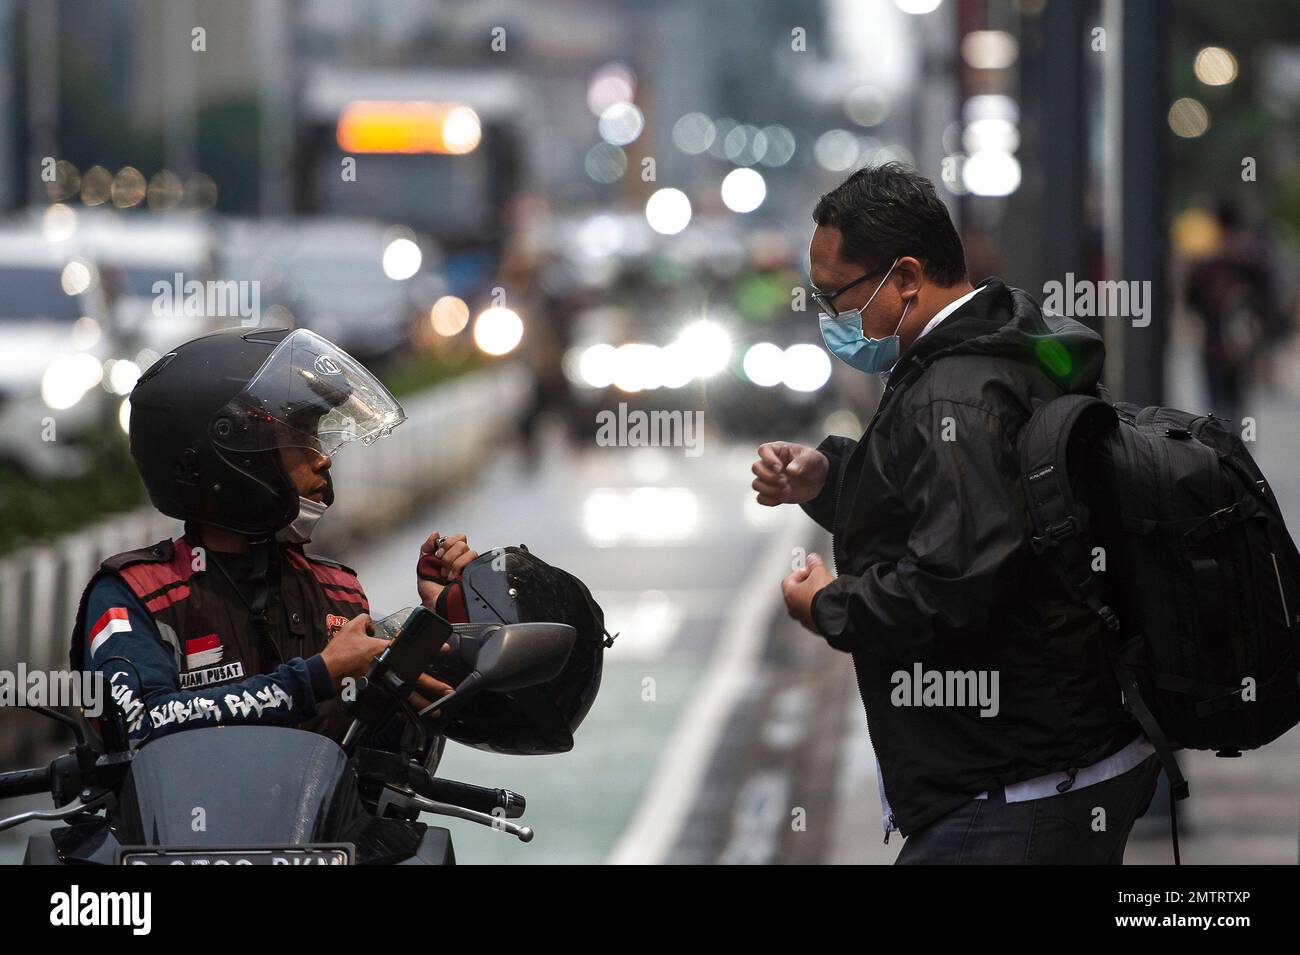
[52, 315]
[703, 317]
[157, 276]
[357, 282]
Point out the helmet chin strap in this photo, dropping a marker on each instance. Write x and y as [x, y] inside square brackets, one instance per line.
[264, 584]
[265, 560]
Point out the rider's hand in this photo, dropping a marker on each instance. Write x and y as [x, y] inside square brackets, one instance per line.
[788, 473]
[430, 691]
[350, 651]
[441, 561]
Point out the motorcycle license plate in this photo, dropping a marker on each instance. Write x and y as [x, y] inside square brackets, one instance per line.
[334, 854]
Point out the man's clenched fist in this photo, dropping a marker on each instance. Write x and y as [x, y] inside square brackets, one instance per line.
[799, 588]
[788, 473]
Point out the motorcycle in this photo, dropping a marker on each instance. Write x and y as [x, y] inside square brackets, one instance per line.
[267, 795]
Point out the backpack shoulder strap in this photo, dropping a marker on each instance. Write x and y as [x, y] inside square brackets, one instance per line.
[1045, 445]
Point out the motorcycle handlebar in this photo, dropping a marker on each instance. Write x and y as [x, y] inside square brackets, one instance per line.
[25, 782]
[478, 798]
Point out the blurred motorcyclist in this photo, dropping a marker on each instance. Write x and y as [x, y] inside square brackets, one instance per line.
[233, 622]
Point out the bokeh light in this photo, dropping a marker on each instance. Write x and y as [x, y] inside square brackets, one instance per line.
[498, 330]
[743, 190]
[128, 188]
[918, 7]
[165, 191]
[401, 259]
[805, 367]
[461, 131]
[76, 277]
[989, 49]
[67, 181]
[1215, 66]
[621, 124]
[58, 223]
[866, 106]
[610, 84]
[1188, 118]
[991, 173]
[836, 150]
[668, 211]
[449, 315]
[763, 364]
[605, 162]
[96, 186]
[693, 133]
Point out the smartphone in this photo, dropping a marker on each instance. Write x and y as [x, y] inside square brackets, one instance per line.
[417, 644]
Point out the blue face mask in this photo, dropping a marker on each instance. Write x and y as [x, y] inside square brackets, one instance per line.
[844, 339]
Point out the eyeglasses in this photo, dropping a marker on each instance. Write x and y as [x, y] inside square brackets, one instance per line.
[826, 300]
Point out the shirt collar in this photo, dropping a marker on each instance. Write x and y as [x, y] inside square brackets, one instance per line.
[933, 323]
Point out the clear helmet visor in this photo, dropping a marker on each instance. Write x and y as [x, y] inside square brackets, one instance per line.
[309, 394]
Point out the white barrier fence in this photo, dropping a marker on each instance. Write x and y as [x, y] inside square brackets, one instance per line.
[448, 431]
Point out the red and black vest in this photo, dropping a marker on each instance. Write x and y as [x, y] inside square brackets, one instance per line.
[212, 634]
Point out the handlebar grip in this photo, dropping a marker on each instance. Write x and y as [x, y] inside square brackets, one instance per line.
[477, 798]
[25, 782]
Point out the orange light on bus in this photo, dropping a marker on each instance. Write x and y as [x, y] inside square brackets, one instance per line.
[374, 126]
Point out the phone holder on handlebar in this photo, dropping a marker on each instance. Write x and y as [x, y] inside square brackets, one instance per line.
[395, 673]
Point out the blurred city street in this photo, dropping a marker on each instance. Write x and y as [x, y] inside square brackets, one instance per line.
[793, 736]
[565, 248]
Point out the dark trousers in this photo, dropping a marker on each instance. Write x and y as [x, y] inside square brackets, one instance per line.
[1088, 826]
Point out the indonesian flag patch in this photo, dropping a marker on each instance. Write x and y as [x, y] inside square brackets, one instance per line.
[115, 620]
[203, 651]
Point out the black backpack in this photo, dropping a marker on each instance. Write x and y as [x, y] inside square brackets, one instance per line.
[1200, 595]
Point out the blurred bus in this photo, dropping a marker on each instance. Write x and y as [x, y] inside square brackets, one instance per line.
[439, 151]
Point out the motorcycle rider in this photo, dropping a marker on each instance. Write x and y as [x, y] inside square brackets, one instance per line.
[233, 622]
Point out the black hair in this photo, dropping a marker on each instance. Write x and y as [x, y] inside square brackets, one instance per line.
[888, 211]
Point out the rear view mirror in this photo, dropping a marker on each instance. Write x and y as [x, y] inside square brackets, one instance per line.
[509, 656]
[518, 655]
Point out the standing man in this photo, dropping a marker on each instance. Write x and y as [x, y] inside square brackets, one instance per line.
[999, 735]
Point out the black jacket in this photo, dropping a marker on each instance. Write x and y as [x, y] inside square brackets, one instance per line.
[932, 549]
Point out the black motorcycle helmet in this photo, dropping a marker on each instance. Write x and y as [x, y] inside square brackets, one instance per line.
[511, 585]
[209, 418]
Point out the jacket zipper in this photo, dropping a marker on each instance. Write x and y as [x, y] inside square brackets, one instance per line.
[835, 565]
[839, 491]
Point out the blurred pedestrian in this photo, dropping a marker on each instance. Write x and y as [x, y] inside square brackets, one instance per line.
[1233, 293]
